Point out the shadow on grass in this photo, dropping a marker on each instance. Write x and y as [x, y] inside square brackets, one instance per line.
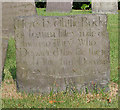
[3, 76]
[13, 72]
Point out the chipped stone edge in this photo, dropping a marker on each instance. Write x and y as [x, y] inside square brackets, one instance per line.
[0, 55]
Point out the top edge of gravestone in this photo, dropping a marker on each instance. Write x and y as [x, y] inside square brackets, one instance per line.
[57, 1]
[25, 17]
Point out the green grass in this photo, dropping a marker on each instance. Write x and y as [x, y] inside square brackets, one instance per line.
[113, 35]
[42, 12]
[10, 64]
[62, 100]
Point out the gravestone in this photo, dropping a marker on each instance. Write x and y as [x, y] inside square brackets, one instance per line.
[59, 6]
[4, 50]
[10, 10]
[105, 7]
[59, 52]
[0, 43]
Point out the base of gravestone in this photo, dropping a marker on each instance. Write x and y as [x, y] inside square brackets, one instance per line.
[56, 85]
[70, 88]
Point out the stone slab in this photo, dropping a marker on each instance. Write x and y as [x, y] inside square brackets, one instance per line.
[0, 58]
[0, 43]
[10, 10]
[105, 7]
[59, 6]
[59, 52]
[4, 51]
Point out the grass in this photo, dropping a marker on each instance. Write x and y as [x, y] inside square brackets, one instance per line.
[61, 101]
[12, 99]
[42, 12]
[113, 35]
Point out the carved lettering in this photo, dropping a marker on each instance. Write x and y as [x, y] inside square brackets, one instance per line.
[72, 48]
[86, 42]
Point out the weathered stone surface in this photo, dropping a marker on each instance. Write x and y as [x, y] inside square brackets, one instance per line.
[10, 10]
[59, 6]
[0, 42]
[4, 50]
[105, 7]
[67, 51]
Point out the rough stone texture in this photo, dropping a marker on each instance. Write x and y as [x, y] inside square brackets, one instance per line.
[59, 6]
[0, 43]
[60, 52]
[10, 10]
[105, 7]
[4, 50]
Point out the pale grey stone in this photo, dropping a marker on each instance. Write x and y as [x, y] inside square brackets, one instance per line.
[60, 52]
[4, 50]
[59, 6]
[0, 42]
[10, 10]
[105, 7]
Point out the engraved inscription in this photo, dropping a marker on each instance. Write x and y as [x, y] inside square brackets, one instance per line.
[57, 48]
